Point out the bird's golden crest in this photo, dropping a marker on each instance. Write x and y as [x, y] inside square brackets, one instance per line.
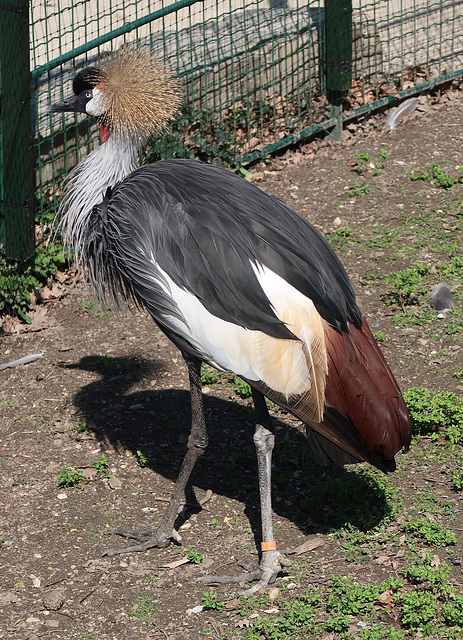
[140, 95]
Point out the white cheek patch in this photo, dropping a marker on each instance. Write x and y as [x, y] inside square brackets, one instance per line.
[96, 106]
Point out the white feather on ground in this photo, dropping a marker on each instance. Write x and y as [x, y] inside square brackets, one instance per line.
[398, 114]
[24, 360]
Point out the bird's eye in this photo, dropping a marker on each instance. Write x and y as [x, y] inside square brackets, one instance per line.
[88, 94]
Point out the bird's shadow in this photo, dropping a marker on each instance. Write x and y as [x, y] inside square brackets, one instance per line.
[154, 425]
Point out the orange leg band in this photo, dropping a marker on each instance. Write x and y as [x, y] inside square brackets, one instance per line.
[269, 546]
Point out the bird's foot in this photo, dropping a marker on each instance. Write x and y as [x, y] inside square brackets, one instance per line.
[146, 540]
[265, 573]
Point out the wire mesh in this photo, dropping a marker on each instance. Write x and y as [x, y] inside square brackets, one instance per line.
[254, 72]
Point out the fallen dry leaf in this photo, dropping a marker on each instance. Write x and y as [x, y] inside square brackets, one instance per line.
[175, 563]
[309, 545]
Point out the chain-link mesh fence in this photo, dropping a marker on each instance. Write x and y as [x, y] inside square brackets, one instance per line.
[257, 75]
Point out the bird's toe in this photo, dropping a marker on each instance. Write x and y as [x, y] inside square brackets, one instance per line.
[265, 573]
[146, 540]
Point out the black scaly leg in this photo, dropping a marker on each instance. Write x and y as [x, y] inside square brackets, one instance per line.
[197, 443]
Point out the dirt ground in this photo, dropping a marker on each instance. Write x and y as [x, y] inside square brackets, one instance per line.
[116, 387]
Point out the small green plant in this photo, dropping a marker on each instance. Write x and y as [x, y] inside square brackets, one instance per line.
[210, 600]
[440, 414]
[347, 597]
[69, 477]
[340, 237]
[457, 480]
[338, 624]
[102, 466]
[81, 426]
[297, 618]
[242, 389]
[208, 377]
[427, 573]
[18, 282]
[408, 284]
[430, 533]
[361, 158]
[145, 608]
[379, 336]
[383, 155]
[437, 176]
[86, 306]
[195, 557]
[358, 190]
[141, 459]
[452, 610]
[418, 608]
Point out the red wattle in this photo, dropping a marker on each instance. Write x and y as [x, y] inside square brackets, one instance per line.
[104, 132]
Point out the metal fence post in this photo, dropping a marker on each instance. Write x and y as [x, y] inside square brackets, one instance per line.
[16, 168]
[338, 56]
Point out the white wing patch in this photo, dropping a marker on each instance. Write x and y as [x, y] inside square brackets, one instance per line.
[289, 367]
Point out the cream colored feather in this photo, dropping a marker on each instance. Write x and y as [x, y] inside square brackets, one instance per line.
[140, 95]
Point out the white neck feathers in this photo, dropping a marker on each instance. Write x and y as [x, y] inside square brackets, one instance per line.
[87, 184]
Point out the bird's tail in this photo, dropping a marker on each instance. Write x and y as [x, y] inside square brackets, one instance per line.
[365, 416]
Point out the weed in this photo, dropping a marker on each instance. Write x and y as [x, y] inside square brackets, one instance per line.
[145, 608]
[339, 624]
[81, 426]
[341, 503]
[418, 608]
[141, 459]
[408, 284]
[339, 238]
[457, 480]
[427, 573]
[379, 336]
[430, 533]
[348, 598]
[241, 388]
[357, 190]
[452, 610]
[439, 414]
[210, 600]
[102, 466]
[209, 377]
[297, 619]
[195, 557]
[69, 477]
[437, 176]
[86, 306]
[361, 158]
[383, 155]
[18, 282]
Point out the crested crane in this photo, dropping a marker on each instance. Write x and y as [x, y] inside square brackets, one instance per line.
[235, 278]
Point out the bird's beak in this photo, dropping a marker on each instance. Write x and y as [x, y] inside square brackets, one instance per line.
[73, 104]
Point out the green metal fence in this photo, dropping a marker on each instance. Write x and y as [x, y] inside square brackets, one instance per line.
[257, 75]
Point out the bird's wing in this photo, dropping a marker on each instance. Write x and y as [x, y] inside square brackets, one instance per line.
[240, 280]
[210, 226]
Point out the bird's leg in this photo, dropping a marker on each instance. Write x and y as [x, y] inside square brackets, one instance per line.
[272, 561]
[197, 443]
